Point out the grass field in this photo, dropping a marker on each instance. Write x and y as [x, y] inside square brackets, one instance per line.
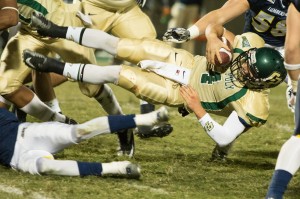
[176, 166]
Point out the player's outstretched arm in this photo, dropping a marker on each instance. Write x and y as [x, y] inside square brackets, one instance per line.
[87, 37]
[230, 10]
[221, 134]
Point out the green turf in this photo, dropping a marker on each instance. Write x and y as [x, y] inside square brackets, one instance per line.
[176, 166]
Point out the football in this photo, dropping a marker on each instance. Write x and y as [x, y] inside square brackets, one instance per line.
[226, 55]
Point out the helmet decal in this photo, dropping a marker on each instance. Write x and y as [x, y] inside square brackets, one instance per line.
[259, 68]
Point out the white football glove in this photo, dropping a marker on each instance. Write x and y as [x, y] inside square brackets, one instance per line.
[177, 35]
[291, 98]
[141, 3]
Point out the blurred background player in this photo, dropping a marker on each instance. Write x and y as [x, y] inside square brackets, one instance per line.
[29, 147]
[184, 13]
[288, 161]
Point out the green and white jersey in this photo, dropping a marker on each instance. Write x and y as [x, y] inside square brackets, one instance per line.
[221, 94]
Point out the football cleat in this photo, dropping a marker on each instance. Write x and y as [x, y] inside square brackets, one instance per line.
[221, 153]
[35, 60]
[128, 169]
[126, 141]
[41, 63]
[43, 26]
[159, 130]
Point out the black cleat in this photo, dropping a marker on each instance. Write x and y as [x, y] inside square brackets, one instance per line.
[42, 63]
[126, 140]
[35, 60]
[159, 130]
[45, 27]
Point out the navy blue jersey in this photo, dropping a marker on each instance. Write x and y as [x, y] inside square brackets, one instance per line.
[296, 4]
[8, 135]
[267, 18]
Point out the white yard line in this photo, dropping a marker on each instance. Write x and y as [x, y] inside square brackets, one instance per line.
[17, 191]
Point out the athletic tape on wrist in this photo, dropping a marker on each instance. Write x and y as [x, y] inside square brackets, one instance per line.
[291, 66]
[194, 31]
[10, 8]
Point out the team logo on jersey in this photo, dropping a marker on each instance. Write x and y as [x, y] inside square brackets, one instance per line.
[245, 42]
[208, 126]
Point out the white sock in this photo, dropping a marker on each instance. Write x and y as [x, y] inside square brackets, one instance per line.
[92, 74]
[147, 119]
[72, 70]
[288, 158]
[39, 110]
[54, 105]
[114, 167]
[109, 102]
[73, 33]
[94, 39]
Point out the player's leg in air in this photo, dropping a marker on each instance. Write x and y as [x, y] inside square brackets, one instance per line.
[35, 151]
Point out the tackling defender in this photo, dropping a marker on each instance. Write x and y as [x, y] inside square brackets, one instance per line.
[29, 147]
[239, 92]
[288, 161]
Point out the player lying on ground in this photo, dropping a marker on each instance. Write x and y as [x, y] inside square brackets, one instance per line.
[240, 93]
[29, 147]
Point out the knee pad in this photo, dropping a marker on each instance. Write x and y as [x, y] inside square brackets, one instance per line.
[90, 90]
[150, 86]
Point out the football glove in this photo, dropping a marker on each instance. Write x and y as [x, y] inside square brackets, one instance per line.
[141, 3]
[177, 35]
[291, 98]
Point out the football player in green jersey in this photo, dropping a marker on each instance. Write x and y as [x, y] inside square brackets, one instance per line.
[239, 91]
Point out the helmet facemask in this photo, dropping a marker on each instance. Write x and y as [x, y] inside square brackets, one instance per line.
[257, 75]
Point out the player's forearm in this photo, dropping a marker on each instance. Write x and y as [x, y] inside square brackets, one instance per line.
[8, 18]
[214, 30]
[198, 111]
[226, 134]
[202, 23]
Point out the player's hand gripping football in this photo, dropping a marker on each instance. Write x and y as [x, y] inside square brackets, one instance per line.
[177, 35]
[141, 3]
[213, 46]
